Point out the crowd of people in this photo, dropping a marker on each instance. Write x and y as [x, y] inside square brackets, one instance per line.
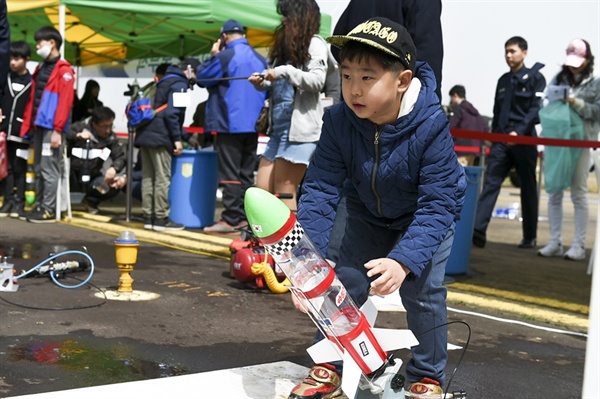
[43, 120]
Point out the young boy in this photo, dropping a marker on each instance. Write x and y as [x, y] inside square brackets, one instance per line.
[16, 95]
[390, 140]
[159, 141]
[46, 120]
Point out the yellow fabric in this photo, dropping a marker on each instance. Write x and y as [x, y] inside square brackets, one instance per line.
[24, 5]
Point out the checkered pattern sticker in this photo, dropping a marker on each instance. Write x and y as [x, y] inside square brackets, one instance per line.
[286, 243]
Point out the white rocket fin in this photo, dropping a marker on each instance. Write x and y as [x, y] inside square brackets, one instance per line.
[352, 374]
[394, 339]
[324, 351]
[370, 311]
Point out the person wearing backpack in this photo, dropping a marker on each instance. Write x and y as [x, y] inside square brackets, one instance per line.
[465, 116]
[159, 140]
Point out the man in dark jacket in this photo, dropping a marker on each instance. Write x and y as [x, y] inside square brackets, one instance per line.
[421, 19]
[465, 116]
[12, 106]
[516, 106]
[231, 111]
[96, 156]
[159, 141]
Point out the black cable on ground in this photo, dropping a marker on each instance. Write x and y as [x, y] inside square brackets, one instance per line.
[71, 308]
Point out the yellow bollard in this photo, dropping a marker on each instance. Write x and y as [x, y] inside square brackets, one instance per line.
[126, 251]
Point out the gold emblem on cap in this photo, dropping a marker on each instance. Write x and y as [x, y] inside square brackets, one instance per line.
[376, 29]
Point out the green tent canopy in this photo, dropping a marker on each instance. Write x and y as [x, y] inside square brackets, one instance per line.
[98, 31]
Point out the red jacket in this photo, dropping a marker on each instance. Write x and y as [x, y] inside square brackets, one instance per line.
[56, 103]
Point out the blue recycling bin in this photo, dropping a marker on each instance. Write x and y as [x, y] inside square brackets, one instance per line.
[458, 262]
[193, 192]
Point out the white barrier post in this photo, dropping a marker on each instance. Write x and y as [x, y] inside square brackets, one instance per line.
[591, 382]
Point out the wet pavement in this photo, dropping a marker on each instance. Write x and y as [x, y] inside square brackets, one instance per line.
[55, 339]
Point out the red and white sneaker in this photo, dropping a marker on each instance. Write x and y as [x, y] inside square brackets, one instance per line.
[427, 388]
[322, 382]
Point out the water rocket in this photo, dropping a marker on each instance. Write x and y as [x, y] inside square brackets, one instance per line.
[349, 330]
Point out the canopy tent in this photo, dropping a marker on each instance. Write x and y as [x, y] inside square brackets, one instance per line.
[98, 31]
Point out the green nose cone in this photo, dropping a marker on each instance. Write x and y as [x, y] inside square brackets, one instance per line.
[265, 212]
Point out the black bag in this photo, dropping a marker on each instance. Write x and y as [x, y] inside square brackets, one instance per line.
[262, 122]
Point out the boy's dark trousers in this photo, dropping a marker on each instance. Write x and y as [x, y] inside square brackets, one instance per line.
[14, 183]
[424, 298]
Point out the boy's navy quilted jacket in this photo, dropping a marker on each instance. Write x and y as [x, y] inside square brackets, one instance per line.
[409, 180]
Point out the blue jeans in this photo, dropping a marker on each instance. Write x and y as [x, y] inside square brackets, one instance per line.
[279, 146]
[424, 298]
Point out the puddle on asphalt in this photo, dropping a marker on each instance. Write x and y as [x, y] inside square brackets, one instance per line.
[17, 251]
[98, 366]
[22, 251]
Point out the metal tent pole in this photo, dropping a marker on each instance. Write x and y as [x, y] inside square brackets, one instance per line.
[129, 172]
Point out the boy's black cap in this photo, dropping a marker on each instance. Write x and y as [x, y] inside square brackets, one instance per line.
[385, 35]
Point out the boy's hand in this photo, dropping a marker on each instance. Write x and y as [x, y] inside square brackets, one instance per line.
[178, 150]
[55, 139]
[392, 275]
[297, 304]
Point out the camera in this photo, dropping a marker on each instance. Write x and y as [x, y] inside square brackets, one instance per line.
[133, 89]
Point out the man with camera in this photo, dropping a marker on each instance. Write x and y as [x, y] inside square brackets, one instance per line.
[231, 111]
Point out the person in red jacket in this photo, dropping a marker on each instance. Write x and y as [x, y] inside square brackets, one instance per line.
[46, 120]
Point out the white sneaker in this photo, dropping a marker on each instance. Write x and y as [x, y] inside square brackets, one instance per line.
[551, 249]
[575, 253]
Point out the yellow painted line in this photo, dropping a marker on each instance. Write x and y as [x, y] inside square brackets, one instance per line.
[197, 243]
[214, 239]
[513, 296]
[480, 297]
[571, 321]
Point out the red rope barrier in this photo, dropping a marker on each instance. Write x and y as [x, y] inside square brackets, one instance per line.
[527, 140]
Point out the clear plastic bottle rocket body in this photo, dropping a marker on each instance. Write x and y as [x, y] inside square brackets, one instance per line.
[323, 294]
[307, 270]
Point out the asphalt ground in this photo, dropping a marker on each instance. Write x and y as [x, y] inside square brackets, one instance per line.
[527, 314]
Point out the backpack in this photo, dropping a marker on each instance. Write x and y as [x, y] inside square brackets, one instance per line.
[140, 111]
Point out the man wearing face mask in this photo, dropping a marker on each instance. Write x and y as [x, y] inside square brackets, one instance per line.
[46, 120]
